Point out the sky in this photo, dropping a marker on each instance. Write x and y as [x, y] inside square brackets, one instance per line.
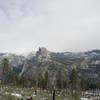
[59, 25]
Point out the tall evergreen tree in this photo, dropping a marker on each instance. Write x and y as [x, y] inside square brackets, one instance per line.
[5, 66]
[59, 82]
[5, 70]
[46, 79]
[83, 84]
[73, 80]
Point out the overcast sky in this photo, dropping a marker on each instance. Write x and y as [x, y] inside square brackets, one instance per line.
[59, 25]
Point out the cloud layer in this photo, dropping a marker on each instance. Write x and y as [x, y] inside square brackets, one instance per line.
[60, 25]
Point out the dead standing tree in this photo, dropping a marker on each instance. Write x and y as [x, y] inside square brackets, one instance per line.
[53, 85]
[54, 94]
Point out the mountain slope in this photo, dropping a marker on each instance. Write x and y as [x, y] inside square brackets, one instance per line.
[87, 63]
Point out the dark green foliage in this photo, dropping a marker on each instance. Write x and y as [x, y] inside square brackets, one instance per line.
[5, 66]
[73, 81]
[43, 80]
[83, 84]
[91, 84]
[46, 79]
[73, 78]
[59, 82]
[40, 78]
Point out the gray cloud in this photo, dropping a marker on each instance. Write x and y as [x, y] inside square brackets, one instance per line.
[60, 25]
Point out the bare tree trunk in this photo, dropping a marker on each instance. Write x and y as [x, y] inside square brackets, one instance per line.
[53, 94]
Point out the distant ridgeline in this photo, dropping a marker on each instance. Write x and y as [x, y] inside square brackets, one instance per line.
[34, 65]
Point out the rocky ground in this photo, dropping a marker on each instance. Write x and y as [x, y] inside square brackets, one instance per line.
[19, 93]
[15, 93]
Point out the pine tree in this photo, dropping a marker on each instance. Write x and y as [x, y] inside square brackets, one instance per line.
[46, 79]
[59, 80]
[5, 66]
[73, 80]
[5, 70]
[40, 80]
[83, 84]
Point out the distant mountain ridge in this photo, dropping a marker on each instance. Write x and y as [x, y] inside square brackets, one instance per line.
[87, 63]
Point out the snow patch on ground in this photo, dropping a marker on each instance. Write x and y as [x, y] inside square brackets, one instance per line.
[34, 95]
[84, 99]
[17, 95]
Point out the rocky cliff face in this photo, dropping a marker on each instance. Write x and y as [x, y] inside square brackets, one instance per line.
[42, 52]
[41, 63]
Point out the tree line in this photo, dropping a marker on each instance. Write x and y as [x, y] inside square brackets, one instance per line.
[73, 83]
